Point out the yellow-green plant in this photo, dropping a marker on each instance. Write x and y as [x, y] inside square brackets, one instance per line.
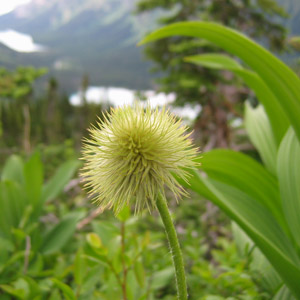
[130, 159]
[263, 199]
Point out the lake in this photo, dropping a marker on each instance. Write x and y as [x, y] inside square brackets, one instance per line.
[114, 96]
[19, 42]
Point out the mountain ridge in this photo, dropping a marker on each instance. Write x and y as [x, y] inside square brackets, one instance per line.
[94, 37]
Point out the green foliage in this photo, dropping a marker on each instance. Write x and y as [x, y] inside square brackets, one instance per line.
[262, 199]
[18, 84]
[48, 253]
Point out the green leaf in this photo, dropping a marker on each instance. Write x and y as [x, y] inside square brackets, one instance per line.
[33, 173]
[280, 79]
[67, 291]
[79, 267]
[139, 273]
[18, 293]
[94, 240]
[260, 226]
[60, 234]
[277, 117]
[259, 264]
[124, 214]
[215, 61]
[13, 169]
[288, 169]
[284, 294]
[57, 183]
[12, 203]
[246, 174]
[260, 132]
[161, 278]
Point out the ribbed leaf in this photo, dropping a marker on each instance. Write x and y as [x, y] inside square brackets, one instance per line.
[13, 169]
[12, 204]
[66, 290]
[33, 174]
[270, 278]
[246, 174]
[280, 79]
[277, 117]
[288, 166]
[261, 135]
[60, 179]
[60, 234]
[284, 294]
[260, 226]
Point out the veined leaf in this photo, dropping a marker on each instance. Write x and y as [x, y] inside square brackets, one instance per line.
[13, 169]
[284, 294]
[260, 226]
[67, 291]
[288, 169]
[270, 279]
[261, 135]
[12, 204]
[277, 117]
[57, 183]
[33, 174]
[246, 174]
[280, 79]
[60, 234]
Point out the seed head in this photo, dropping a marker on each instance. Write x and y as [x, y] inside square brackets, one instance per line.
[130, 158]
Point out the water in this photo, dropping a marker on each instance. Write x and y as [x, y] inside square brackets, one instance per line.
[19, 42]
[114, 96]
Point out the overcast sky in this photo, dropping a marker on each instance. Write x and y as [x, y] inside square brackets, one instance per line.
[9, 5]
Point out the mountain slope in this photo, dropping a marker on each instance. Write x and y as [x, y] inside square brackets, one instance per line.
[97, 37]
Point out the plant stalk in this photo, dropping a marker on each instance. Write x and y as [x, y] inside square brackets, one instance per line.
[174, 247]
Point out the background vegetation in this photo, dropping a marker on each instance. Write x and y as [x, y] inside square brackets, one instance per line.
[55, 244]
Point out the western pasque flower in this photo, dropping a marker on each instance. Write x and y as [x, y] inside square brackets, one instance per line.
[131, 157]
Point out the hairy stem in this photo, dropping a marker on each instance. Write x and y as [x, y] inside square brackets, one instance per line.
[174, 247]
[123, 261]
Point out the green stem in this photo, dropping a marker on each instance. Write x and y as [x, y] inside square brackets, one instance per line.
[174, 246]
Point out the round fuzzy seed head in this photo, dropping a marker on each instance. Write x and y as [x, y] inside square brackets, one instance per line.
[131, 157]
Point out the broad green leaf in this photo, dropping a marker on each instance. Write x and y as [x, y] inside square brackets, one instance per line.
[18, 293]
[67, 291]
[13, 169]
[139, 273]
[246, 174]
[277, 117]
[79, 267]
[260, 132]
[33, 174]
[161, 278]
[60, 234]
[94, 240]
[124, 214]
[288, 169]
[280, 79]
[215, 61]
[284, 294]
[259, 264]
[57, 183]
[260, 226]
[106, 230]
[12, 203]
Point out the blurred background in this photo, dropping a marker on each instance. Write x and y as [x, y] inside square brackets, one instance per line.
[62, 63]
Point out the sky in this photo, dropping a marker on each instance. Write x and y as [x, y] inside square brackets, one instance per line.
[9, 5]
